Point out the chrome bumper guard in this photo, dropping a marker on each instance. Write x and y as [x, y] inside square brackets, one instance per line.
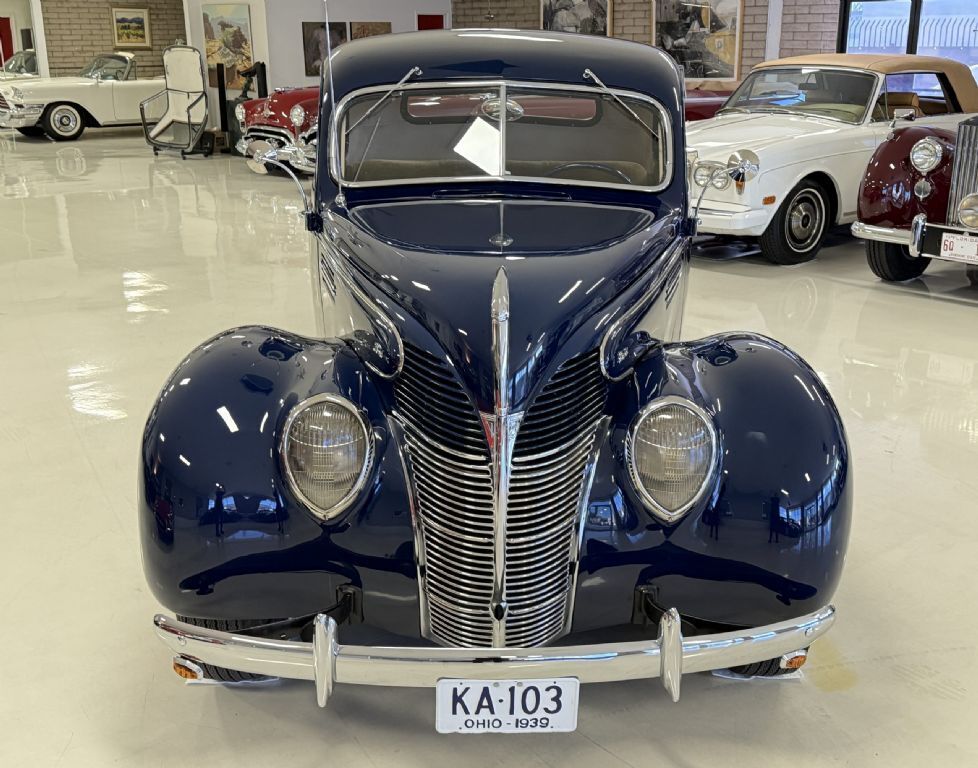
[20, 117]
[914, 238]
[883, 234]
[301, 157]
[326, 661]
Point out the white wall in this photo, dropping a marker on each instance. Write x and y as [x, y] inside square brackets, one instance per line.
[285, 17]
[19, 13]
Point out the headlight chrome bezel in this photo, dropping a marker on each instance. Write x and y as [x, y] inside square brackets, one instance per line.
[330, 514]
[655, 507]
[297, 115]
[928, 143]
[240, 113]
[720, 181]
[968, 203]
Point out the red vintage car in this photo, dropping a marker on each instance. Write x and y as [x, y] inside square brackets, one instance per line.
[919, 198]
[287, 119]
[702, 104]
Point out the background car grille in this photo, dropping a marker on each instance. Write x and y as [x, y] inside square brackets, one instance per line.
[3, 103]
[964, 182]
[453, 478]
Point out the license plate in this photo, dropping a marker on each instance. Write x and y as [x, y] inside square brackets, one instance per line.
[959, 247]
[506, 706]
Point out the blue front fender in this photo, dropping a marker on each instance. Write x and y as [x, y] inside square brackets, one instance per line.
[768, 541]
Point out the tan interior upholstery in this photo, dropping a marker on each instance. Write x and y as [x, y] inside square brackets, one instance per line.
[890, 102]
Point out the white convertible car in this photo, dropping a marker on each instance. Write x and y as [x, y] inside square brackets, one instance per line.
[106, 93]
[807, 127]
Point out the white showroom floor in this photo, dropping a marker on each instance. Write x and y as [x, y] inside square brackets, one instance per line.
[114, 264]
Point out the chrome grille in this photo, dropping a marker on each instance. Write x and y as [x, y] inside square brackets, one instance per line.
[964, 181]
[452, 472]
[3, 102]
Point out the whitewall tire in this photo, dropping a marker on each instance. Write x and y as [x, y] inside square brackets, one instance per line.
[63, 122]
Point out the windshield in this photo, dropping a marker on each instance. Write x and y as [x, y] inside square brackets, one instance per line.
[21, 63]
[107, 68]
[414, 135]
[832, 93]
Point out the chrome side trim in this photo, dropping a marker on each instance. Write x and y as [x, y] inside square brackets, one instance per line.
[368, 460]
[339, 113]
[883, 234]
[327, 661]
[666, 515]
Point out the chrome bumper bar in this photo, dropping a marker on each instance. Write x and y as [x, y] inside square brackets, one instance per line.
[326, 661]
[20, 117]
[883, 234]
[914, 237]
[302, 157]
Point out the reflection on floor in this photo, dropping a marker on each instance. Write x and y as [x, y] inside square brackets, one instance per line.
[114, 264]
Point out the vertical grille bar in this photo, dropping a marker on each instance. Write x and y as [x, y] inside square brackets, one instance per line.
[964, 180]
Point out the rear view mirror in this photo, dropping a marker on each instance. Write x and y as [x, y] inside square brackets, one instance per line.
[904, 114]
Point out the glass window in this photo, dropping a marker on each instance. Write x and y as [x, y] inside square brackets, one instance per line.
[835, 94]
[878, 26]
[109, 68]
[923, 92]
[949, 28]
[550, 135]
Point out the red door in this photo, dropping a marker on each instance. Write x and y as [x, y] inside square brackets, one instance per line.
[6, 39]
[431, 21]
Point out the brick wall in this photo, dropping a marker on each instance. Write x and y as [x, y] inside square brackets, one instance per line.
[507, 14]
[77, 30]
[809, 26]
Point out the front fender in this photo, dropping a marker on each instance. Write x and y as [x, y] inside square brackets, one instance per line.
[768, 540]
[222, 535]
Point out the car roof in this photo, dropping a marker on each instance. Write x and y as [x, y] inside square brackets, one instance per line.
[476, 54]
[958, 74]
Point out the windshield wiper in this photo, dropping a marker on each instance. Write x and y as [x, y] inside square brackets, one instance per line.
[413, 72]
[588, 74]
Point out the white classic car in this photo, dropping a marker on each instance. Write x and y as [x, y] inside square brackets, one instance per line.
[106, 93]
[809, 125]
[21, 66]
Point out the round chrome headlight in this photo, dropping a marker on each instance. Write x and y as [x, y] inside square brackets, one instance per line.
[327, 451]
[712, 174]
[297, 115]
[926, 154]
[671, 451]
[968, 212]
[239, 112]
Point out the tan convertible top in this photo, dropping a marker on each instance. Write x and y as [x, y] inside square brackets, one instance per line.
[958, 75]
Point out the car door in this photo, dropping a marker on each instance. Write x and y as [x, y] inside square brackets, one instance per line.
[127, 95]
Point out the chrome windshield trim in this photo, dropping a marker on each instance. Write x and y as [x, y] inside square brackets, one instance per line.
[329, 661]
[336, 121]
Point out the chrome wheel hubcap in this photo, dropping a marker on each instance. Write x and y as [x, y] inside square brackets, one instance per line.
[805, 221]
[65, 120]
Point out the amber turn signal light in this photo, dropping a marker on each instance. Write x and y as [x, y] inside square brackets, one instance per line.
[769, 200]
[186, 669]
[794, 660]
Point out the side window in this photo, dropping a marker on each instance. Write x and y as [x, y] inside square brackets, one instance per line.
[926, 93]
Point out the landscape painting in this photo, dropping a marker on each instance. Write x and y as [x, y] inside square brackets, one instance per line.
[227, 35]
[362, 29]
[130, 28]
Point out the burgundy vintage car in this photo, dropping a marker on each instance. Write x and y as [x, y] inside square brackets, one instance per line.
[288, 119]
[703, 104]
[919, 198]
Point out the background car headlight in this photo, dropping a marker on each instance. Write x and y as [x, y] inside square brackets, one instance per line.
[17, 93]
[671, 452]
[702, 176]
[968, 211]
[297, 115]
[926, 154]
[239, 112]
[327, 451]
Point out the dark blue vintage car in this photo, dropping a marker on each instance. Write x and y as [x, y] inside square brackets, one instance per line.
[495, 469]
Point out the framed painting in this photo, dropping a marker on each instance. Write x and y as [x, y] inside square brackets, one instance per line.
[227, 40]
[314, 43]
[130, 28]
[362, 29]
[704, 38]
[586, 17]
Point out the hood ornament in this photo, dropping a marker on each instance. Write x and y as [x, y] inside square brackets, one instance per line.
[501, 427]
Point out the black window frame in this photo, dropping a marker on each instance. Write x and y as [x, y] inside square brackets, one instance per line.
[913, 31]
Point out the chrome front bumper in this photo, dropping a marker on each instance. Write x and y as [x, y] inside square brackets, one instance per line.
[739, 220]
[302, 156]
[20, 117]
[883, 234]
[920, 238]
[326, 661]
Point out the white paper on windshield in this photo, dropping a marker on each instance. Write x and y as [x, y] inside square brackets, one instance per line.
[480, 146]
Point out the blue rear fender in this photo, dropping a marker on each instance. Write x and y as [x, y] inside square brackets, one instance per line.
[768, 540]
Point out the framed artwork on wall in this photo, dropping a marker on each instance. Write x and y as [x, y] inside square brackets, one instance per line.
[703, 37]
[587, 17]
[361, 29]
[314, 47]
[227, 39]
[130, 28]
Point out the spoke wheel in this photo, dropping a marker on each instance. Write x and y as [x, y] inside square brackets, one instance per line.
[63, 122]
[796, 232]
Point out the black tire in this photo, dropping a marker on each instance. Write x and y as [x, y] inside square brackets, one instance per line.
[893, 262]
[972, 273]
[63, 122]
[221, 674]
[769, 668]
[34, 131]
[797, 231]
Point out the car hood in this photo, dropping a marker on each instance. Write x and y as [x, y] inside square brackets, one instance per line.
[569, 267]
[41, 85]
[720, 136]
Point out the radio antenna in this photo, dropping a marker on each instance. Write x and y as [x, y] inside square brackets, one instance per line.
[324, 132]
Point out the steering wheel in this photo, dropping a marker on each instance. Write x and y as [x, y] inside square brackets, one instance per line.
[593, 166]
